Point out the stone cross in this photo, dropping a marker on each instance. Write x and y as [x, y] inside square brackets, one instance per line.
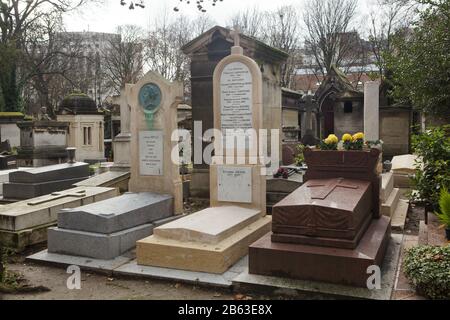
[236, 36]
[59, 195]
[327, 189]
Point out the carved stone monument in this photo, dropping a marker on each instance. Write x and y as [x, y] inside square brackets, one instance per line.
[212, 240]
[330, 229]
[154, 102]
[110, 228]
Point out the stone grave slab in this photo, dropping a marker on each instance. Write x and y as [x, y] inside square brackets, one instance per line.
[319, 263]
[25, 222]
[106, 179]
[95, 245]
[387, 185]
[107, 229]
[246, 282]
[85, 263]
[211, 225]
[197, 256]
[403, 168]
[36, 182]
[116, 214]
[326, 212]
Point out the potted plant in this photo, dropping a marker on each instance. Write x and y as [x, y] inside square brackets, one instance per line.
[444, 214]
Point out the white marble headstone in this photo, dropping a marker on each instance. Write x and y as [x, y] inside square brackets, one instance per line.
[151, 153]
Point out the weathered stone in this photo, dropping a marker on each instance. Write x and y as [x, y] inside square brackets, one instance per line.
[25, 222]
[95, 245]
[36, 182]
[208, 226]
[51, 173]
[202, 257]
[116, 214]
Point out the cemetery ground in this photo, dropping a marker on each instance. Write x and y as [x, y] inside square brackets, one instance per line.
[49, 282]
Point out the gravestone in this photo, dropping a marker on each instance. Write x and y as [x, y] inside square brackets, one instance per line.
[154, 102]
[122, 142]
[212, 240]
[44, 180]
[106, 229]
[25, 222]
[330, 229]
[42, 143]
[404, 168]
[205, 52]
[372, 110]
[110, 228]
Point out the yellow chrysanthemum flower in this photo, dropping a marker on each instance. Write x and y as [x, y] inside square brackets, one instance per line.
[358, 136]
[333, 138]
[347, 137]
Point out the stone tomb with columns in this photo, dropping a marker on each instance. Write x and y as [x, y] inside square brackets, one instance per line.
[110, 228]
[214, 239]
[331, 229]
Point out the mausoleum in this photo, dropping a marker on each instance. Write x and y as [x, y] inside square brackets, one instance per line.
[86, 126]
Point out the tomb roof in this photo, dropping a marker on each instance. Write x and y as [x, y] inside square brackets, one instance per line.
[78, 103]
[261, 49]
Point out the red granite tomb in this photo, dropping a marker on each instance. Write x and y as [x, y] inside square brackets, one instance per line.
[329, 229]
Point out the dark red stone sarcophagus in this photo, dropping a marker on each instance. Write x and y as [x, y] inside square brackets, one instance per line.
[329, 229]
[332, 213]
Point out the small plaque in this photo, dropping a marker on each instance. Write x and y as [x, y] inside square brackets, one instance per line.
[151, 153]
[234, 184]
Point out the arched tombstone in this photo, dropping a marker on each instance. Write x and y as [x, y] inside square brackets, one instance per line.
[153, 101]
[214, 239]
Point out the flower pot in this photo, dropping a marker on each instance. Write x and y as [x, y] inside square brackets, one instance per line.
[447, 233]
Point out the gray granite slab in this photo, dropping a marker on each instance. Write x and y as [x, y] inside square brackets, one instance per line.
[23, 191]
[56, 172]
[120, 213]
[95, 245]
[85, 263]
[208, 279]
[313, 289]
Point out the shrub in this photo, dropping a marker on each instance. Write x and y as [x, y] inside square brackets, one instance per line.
[428, 269]
[433, 172]
[444, 205]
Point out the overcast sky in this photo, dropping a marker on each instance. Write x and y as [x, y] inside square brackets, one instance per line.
[106, 17]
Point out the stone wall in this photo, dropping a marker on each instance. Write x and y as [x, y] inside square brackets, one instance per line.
[395, 130]
[348, 122]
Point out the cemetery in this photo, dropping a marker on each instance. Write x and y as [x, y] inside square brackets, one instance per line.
[229, 181]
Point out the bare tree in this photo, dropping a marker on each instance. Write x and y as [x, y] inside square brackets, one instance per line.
[282, 32]
[390, 16]
[123, 59]
[48, 64]
[328, 23]
[164, 41]
[250, 22]
[16, 18]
